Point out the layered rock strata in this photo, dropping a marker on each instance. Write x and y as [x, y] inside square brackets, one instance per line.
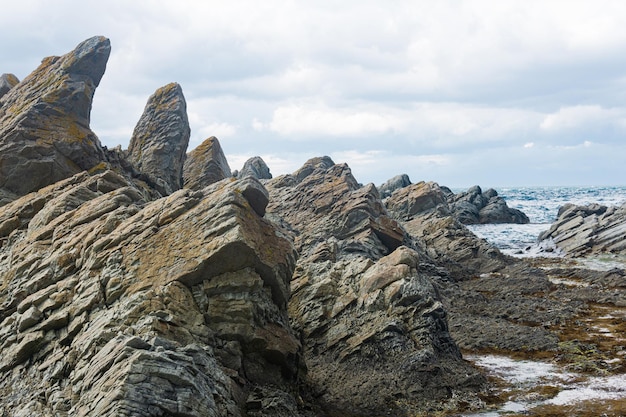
[584, 230]
[374, 330]
[160, 139]
[122, 306]
[423, 210]
[44, 120]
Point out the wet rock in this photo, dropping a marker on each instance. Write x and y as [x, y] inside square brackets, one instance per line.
[423, 211]
[159, 142]
[205, 165]
[477, 207]
[44, 120]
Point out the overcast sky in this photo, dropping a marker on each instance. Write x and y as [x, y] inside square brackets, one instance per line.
[492, 92]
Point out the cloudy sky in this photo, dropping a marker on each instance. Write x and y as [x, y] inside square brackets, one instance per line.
[489, 92]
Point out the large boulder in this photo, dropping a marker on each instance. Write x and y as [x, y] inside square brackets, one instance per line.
[159, 142]
[584, 230]
[373, 327]
[44, 120]
[205, 165]
[112, 304]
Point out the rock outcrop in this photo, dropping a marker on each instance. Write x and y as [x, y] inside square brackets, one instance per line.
[477, 207]
[373, 327]
[255, 167]
[584, 230]
[423, 210]
[159, 142]
[7, 82]
[205, 165]
[116, 305]
[44, 120]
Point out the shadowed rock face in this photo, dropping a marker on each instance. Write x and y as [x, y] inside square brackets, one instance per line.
[44, 120]
[159, 142]
[205, 165]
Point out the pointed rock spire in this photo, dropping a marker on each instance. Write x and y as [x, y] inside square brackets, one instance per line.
[255, 167]
[44, 120]
[7, 82]
[205, 165]
[157, 148]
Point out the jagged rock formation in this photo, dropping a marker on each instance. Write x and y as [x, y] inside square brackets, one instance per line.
[255, 167]
[122, 294]
[205, 165]
[583, 230]
[7, 82]
[122, 306]
[374, 331]
[477, 207]
[423, 210]
[44, 120]
[393, 184]
[159, 142]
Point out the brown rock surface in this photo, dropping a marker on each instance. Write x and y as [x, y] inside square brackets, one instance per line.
[111, 304]
[205, 165]
[423, 211]
[44, 120]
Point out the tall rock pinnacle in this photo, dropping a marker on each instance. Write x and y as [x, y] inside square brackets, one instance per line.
[160, 139]
[44, 120]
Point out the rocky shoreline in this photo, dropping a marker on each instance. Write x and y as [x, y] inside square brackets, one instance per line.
[152, 282]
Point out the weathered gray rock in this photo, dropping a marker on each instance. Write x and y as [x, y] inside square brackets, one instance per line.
[255, 167]
[112, 304]
[583, 230]
[205, 165]
[159, 142]
[44, 120]
[476, 207]
[393, 184]
[7, 82]
[372, 325]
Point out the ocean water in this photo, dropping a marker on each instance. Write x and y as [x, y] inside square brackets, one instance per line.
[541, 205]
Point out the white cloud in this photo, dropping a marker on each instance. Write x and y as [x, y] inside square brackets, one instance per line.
[576, 116]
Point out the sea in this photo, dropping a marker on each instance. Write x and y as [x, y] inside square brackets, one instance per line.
[541, 205]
